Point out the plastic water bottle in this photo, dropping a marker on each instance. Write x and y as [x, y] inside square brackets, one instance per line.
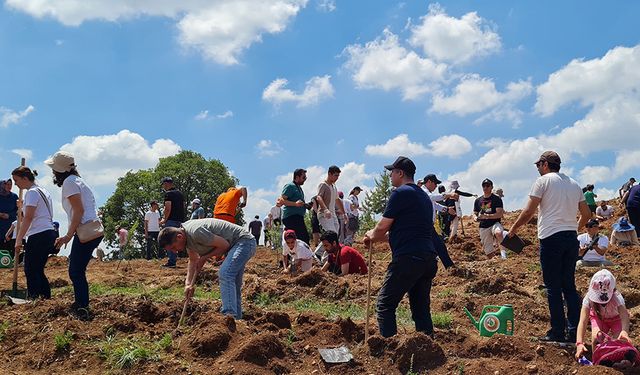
[584, 361]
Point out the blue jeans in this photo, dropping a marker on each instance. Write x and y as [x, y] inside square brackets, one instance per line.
[78, 261]
[173, 257]
[37, 251]
[410, 274]
[558, 256]
[230, 276]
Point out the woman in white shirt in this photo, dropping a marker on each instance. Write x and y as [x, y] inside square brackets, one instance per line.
[301, 254]
[37, 225]
[80, 205]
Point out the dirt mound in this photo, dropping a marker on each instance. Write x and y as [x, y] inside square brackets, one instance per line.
[414, 353]
[310, 279]
[488, 286]
[58, 283]
[260, 349]
[210, 341]
[146, 311]
[279, 320]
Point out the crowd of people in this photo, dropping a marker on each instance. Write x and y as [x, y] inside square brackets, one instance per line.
[418, 220]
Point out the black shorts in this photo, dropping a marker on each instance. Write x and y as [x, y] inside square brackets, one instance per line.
[315, 223]
[592, 208]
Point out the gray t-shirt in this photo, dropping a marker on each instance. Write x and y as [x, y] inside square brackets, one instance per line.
[200, 234]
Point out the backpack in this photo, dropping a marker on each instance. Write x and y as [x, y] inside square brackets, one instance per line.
[610, 351]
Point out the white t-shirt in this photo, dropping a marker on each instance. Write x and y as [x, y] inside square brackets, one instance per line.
[608, 311]
[276, 212]
[347, 206]
[355, 201]
[592, 255]
[153, 220]
[300, 251]
[73, 185]
[14, 234]
[42, 219]
[606, 213]
[560, 196]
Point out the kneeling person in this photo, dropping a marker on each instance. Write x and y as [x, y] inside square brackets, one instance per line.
[300, 253]
[207, 238]
[348, 259]
[593, 247]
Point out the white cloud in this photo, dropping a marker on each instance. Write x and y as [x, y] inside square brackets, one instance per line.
[400, 145]
[103, 159]
[592, 81]
[203, 115]
[326, 5]
[626, 161]
[594, 174]
[385, 64]
[219, 29]
[452, 146]
[475, 94]
[23, 153]
[454, 40]
[267, 147]
[11, 117]
[59, 42]
[227, 114]
[316, 89]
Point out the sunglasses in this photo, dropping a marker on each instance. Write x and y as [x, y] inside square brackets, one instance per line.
[539, 163]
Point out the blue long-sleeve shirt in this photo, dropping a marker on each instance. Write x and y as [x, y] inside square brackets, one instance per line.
[8, 205]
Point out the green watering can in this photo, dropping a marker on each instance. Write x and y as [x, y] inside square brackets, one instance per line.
[6, 260]
[494, 319]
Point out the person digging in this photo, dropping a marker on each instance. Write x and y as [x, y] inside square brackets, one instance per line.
[207, 238]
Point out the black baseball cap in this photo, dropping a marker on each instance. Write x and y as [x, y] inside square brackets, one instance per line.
[487, 181]
[404, 164]
[592, 223]
[166, 179]
[432, 177]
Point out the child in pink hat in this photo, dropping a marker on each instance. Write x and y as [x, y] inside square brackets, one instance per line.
[604, 307]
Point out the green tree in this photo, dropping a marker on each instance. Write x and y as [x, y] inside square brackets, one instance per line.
[192, 174]
[375, 202]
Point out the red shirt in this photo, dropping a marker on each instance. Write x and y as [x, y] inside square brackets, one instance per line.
[350, 255]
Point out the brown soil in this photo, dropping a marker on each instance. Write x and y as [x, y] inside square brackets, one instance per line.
[281, 332]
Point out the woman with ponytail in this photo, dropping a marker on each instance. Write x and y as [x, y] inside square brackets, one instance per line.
[37, 227]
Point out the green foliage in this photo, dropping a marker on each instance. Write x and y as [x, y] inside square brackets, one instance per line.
[291, 338]
[442, 319]
[375, 202]
[4, 326]
[166, 342]
[192, 174]
[121, 354]
[63, 340]
[265, 299]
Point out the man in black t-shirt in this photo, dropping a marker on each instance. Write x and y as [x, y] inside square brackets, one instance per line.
[488, 210]
[255, 227]
[407, 223]
[173, 213]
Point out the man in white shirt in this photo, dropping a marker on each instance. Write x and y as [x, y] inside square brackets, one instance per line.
[604, 211]
[559, 198]
[431, 182]
[151, 229]
[593, 247]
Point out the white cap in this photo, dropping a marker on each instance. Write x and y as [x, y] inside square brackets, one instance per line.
[454, 184]
[61, 162]
[601, 287]
[195, 201]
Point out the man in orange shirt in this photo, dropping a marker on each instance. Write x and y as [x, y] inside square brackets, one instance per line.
[228, 203]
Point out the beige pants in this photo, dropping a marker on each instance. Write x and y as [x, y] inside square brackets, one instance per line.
[487, 236]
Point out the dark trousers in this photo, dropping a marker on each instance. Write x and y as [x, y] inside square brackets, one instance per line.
[634, 218]
[407, 274]
[37, 252]
[257, 237]
[81, 254]
[173, 257]
[296, 223]
[152, 243]
[558, 256]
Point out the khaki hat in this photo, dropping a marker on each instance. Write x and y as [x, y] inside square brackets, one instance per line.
[61, 162]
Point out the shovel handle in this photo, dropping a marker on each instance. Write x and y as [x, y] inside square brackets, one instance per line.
[16, 256]
[366, 322]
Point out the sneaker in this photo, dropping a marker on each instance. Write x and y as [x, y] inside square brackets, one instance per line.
[82, 313]
[168, 265]
[551, 337]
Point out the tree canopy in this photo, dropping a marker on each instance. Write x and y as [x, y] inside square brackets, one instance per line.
[375, 201]
[192, 174]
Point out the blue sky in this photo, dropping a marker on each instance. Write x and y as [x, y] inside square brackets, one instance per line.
[467, 89]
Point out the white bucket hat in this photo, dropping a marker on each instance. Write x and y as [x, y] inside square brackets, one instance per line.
[61, 162]
[601, 287]
[196, 201]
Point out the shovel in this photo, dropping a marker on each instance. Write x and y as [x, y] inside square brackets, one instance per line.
[366, 322]
[17, 296]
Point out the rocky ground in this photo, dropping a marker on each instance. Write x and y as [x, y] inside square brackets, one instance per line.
[137, 305]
